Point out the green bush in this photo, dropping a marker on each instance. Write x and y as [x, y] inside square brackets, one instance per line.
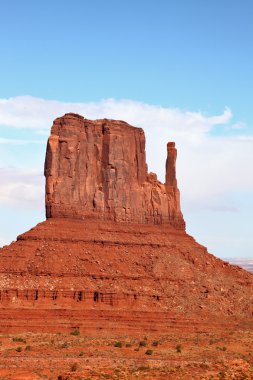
[149, 352]
[74, 367]
[221, 348]
[142, 343]
[19, 340]
[75, 332]
[178, 348]
[118, 344]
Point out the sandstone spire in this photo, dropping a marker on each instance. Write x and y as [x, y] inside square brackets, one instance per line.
[97, 169]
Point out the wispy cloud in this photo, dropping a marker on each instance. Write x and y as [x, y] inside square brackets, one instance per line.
[20, 141]
[22, 188]
[36, 113]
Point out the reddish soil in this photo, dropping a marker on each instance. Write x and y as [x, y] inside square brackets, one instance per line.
[223, 354]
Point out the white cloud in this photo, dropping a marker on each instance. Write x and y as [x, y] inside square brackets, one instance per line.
[19, 141]
[21, 188]
[238, 126]
[36, 113]
[210, 167]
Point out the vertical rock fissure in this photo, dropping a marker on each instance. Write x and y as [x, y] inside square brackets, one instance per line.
[105, 164]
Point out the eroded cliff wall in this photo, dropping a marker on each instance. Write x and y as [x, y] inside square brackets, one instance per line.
[97, 169]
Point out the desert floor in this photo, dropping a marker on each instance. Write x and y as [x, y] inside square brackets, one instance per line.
[226, 354]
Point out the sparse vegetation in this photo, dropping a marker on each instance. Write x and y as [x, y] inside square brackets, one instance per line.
[221, 348]
[76, 332]
[118, 344]
[74, 367]
[96, 358]
[222, 375]
[18, 339]
[64, 345]
[179, 348]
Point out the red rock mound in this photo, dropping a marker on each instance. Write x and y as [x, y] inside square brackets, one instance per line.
[113, 254]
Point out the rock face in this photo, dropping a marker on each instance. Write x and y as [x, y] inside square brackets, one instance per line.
[97, 169]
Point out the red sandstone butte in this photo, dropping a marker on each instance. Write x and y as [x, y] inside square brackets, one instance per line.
[113, 255]
[98, 169]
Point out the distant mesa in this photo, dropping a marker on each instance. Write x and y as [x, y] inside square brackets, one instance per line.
[98, 169]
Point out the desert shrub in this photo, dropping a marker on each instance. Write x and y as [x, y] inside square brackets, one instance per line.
[213, 340]
[222, 375]
[28, 348]
[204, 365]
[149, 352]
[142, 343]
[74, 367]
[16, 339]
[155, 343]
[81, 353]
[218, 348]
[143, 368]
[179, 348]
[76, 332]
[118, 344]
[19, 349]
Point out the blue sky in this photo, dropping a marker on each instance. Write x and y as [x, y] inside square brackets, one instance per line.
[182, 70]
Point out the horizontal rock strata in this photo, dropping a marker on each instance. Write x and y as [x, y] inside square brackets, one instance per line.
[83, 266]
